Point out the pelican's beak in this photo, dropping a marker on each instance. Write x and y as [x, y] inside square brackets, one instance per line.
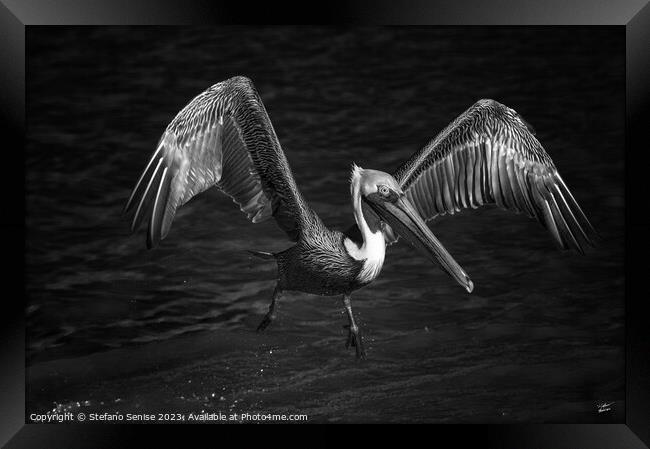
[407, 222]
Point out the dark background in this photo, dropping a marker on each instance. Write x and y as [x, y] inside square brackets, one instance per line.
[112, 326]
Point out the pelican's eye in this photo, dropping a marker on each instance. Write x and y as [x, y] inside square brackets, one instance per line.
[383, 190]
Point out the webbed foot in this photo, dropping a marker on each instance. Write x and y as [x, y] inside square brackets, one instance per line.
[270, 316]
[355, 340]
[265, 322]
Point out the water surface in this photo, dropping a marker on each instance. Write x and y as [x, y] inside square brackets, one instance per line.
[115, 327]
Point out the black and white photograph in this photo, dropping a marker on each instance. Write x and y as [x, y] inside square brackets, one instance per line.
[352, 224]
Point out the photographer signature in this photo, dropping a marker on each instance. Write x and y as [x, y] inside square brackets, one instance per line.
[604, 406]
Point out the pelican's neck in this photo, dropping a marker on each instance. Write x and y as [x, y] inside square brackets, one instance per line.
[366, 233]
[373, 247]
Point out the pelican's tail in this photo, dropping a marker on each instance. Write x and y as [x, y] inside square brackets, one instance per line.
[262, 254]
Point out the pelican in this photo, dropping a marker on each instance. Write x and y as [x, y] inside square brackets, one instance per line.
[223, 137]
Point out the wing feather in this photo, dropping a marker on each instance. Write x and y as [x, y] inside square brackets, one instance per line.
[140, 211]
[222, 138]
[161, 198]
[478, 176]
[436, 181]
[489, 155]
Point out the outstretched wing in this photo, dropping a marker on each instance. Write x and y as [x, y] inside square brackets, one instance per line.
[222, 138]
[489, 154]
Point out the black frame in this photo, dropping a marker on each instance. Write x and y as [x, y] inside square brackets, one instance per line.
[634, 15]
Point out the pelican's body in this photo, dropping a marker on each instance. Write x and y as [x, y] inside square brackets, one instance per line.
[224, 138]
[328, 262]
[321, 264]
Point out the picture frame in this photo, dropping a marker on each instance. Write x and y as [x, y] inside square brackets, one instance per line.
[633, 15]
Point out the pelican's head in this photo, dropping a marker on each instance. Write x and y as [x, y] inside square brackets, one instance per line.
[383, 195]
[369, 182]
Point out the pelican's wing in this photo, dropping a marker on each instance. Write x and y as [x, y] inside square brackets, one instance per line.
[222, 138]
[489, 154]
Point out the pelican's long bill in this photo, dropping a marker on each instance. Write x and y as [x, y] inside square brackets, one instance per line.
[407, 222]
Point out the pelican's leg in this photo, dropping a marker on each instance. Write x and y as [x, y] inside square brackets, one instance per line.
[271, 313]
[354, 336]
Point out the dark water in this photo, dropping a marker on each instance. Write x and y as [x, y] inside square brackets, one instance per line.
[114, 327]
